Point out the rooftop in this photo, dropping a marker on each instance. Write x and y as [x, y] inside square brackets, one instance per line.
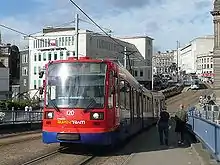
[135, 37]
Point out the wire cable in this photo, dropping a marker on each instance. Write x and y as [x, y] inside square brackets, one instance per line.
[100, 27]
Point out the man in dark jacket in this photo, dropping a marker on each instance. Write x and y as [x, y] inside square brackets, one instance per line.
[181, 119]
[163, 126]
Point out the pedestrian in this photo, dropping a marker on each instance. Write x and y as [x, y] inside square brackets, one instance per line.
[181, 119]
[163, 126]
[210, 101]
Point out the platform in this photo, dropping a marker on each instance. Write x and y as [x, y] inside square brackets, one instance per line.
[149, 151]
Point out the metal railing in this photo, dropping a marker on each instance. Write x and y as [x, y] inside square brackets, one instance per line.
[20, 117]
[207, 112]
[205, 125]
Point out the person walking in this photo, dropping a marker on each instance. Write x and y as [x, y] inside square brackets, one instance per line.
[181, 119]
[163, 127]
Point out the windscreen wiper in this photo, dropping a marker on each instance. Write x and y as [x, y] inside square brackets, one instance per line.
[90, 104]
[55, 106]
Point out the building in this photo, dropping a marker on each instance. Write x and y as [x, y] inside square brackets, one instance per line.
[205, 64]
[4, 82]
[4, 54]
[59, 43]
[162, 61]
[190, 52]
[24, 70]
[144, 45]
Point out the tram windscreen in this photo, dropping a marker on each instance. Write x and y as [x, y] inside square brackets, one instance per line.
[76, 85]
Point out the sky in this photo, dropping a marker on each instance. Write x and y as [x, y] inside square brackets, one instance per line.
[166, 21]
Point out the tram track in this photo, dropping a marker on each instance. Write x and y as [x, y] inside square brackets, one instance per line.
[189, 97]
[46, 156]
[51, 156]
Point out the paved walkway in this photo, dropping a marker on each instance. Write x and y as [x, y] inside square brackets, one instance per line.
[148, 151]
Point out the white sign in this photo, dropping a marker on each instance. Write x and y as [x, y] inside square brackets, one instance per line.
[70, 112]
[78, 122]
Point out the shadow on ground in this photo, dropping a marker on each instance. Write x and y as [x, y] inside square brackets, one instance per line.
[146, 141]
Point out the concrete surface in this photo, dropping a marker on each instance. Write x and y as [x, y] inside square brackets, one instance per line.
[153, 153]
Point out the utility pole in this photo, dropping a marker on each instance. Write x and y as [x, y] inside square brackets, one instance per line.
[125, 58]
[152, 75]
[177, 57]
[77, 36]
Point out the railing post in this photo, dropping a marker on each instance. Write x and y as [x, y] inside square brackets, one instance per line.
[13, 114]
[213, 116]
[206, 115]
[216, 141]
[193, 117]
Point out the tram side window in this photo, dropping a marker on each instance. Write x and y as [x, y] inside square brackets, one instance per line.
[111, 89]
[122, 95]
[148, 105]
[135, 102]
[138, 103]
[127, 99]
[144, 103]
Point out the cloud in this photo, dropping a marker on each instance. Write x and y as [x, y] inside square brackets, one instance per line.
[164, 20]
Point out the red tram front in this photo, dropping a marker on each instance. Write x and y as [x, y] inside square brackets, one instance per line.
[79, 104]
[93, 102]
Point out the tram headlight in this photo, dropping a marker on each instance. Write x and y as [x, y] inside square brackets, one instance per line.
[96, 115]
[49, 115]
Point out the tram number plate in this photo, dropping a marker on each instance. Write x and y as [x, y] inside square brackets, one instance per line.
[68, 136]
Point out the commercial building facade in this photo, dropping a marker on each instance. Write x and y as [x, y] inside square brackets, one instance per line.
[24, 70]
[195, 49]
[162, 61]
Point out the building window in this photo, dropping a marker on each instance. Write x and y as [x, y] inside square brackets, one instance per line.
[35, 70]
[62, 41]
[149, 74]
[72, 40]
[141, 73]
[35, 57]
[135, 73]
[2, 61]
[210, 65]
[44, 57]
[25, 82]
[69, 42]
[49, 56]
[24, 71]
[55, 55]
[24, 58]
[66, 41]
[61, 55]
[39, 57]
[39, 69]
[35, 84]
[67, 54]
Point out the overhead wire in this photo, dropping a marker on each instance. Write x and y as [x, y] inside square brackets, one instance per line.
[77, 6]
[31, 35]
